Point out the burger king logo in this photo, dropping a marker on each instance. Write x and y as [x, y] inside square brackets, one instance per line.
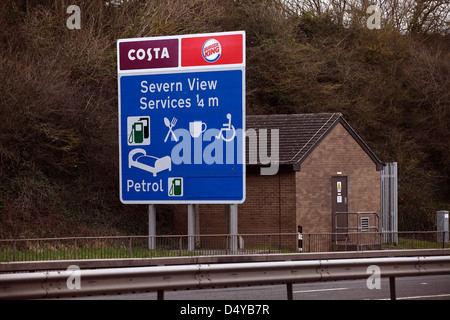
[211, 50]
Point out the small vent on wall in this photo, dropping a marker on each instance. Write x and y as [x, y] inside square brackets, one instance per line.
[365, 223]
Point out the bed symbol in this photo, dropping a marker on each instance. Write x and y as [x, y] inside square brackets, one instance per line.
[138, 158]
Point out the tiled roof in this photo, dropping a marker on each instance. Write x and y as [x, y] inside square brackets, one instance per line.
[298, 134]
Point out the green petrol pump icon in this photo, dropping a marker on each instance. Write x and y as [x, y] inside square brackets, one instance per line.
[137, 132]
[175, 187]
[138, 129]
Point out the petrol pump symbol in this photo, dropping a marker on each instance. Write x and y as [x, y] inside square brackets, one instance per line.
[138, 130]
[175, 187]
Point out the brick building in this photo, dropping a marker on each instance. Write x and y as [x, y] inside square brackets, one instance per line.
[324, 167]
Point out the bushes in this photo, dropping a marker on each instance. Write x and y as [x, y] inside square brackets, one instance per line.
[58, 99]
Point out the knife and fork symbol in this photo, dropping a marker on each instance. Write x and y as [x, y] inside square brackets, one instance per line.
[170, 125]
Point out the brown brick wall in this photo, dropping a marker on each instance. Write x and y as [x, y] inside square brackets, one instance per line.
[179, 219]
[266, 209]
[270, 204]
[337, 152]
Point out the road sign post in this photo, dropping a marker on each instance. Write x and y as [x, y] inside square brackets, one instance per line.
[182, 119]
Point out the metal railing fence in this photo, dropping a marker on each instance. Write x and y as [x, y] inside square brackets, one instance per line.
[361, 241]
[177, 245]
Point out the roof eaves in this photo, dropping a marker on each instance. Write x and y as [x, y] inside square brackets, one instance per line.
[316, 139]
[363, 145]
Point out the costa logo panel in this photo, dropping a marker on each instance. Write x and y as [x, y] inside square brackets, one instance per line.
[148, 54]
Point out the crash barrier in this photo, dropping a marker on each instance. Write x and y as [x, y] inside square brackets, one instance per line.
[76, 282]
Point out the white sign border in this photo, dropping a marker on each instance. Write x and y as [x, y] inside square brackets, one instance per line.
[179, 69]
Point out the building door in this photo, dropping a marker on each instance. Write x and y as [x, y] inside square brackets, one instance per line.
[339, 203]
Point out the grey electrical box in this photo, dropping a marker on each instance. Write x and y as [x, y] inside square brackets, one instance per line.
[442, 226]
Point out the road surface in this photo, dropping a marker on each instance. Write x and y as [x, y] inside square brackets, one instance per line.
[407, 288]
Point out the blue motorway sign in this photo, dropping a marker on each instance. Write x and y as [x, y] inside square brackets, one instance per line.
[182, 137]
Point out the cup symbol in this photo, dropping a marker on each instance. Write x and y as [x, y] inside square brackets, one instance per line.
[196, 128]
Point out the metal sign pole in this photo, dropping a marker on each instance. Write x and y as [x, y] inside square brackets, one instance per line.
[234, 227]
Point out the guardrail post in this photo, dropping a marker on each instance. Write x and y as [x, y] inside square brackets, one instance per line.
[160, 295]
[392, 287]
[289, 291]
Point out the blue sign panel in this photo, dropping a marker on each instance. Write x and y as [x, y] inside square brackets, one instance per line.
[182, 137]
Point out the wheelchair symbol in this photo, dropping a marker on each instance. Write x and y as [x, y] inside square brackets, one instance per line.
[227, 127]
